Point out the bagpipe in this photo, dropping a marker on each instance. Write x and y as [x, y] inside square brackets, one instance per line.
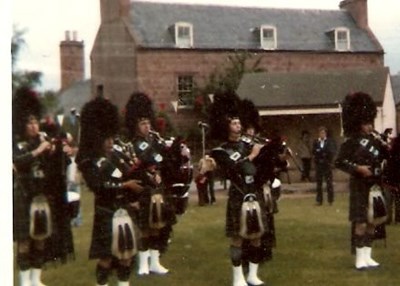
[61, 140]
[372, 151]
[175, 167]
[273, 158]
[176, 171]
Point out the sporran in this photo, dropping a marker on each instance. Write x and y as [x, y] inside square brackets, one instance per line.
[251, 225]
[269, 204]
[377, 211]
[40, 226]
[157, 212]
[124, 240]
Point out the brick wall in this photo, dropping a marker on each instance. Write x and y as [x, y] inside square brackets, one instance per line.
[72, 61]
[121, 68]
[158, 70]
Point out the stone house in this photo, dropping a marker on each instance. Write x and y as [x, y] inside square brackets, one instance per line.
[297, 101]
[167, 49]
[395, 80]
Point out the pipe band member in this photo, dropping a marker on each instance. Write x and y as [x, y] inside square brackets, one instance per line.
[156, 215]
[246, 214]
[41, 219]
[361, 156]
[114, 235]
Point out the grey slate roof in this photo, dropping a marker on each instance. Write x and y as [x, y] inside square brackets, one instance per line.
[226, 27]
[74, 96]
[395, 79]
[311, 89]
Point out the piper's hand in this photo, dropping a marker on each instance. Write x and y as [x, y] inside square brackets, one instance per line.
[157, 179]
[68, 150]
[364, 170]
[43, 147]
[283, 157]
[255, 151]
[134, 185]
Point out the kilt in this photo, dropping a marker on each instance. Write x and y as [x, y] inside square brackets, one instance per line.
[144, 211]
[21, 218]
[233, 212]
[59, 246]
[100, 246]
[358, 205]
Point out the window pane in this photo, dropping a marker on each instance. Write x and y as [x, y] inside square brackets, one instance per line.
[342, 35]
[185, 90]
[342, 40]
[268, 33]
[183, 32]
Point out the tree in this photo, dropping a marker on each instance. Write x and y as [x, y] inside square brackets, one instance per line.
[29, 79]
[225, 80]
[20, 79]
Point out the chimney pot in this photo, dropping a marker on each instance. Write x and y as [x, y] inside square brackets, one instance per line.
[74, 35]
[67, 35]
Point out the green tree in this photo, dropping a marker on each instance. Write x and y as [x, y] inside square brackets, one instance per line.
[226, 79]
[30, 79]
[20, 79]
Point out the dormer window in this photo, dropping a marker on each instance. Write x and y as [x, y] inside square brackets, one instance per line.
[342, 39]
[268, 37]
[183, 35]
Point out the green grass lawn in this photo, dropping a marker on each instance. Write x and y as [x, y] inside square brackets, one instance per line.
[312, 249]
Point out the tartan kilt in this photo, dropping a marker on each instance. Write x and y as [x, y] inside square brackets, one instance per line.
[144, 211]
[21, 217]
[358, 205]
[59, 246]
[100, 246]
[233, 212]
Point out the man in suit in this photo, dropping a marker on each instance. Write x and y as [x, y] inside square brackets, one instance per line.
[324, 150]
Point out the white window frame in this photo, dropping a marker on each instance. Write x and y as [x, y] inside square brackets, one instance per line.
[187, 41]
[185, 91]
[342, 44]
[268, 43]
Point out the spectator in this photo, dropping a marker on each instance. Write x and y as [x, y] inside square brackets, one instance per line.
[324, 149]
[305, 153]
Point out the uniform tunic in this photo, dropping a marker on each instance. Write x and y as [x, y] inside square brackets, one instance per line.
[44, 174]
[149, 153]
[231, 157]
[361, 150]
[104, 176]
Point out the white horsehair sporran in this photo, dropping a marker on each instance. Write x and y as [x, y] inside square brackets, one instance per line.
[377, 210]
[251, 225]
[40, 226]
[156, 215]
[124, 235]
[269, 205]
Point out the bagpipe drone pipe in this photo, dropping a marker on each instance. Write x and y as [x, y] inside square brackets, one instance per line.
[177, 173]
[57, 162]
[272, 159]
[371, 151]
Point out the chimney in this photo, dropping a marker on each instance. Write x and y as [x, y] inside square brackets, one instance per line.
[111, 10]
[358, 10]
[71, 59]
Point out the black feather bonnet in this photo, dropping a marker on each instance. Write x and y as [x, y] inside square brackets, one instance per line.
[249, 116]
[138, 107]
[227, 106]
[25, 105]
[357, 109]
[99, 120]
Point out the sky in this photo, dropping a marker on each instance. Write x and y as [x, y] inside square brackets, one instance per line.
[46, 21]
